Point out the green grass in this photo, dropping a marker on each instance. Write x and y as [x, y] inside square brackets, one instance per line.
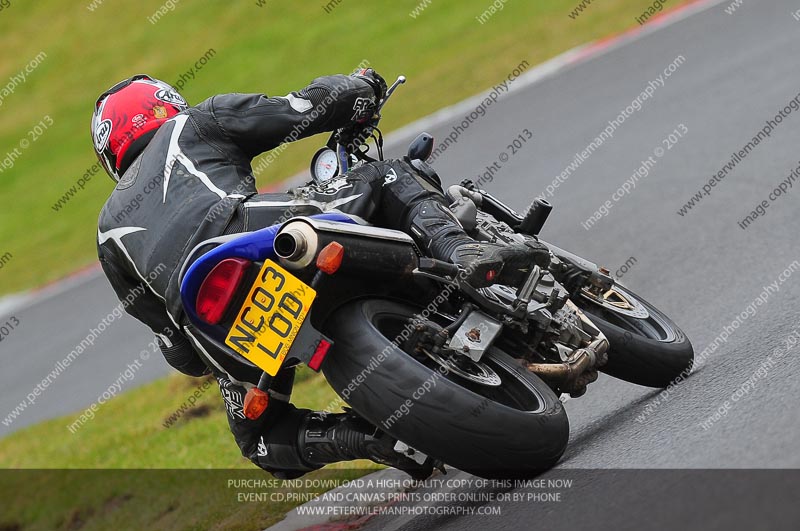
[128, 433]
[446, 54]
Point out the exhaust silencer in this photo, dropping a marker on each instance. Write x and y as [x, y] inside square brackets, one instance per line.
[367, 250]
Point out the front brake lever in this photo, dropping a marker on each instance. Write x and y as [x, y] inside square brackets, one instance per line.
[397, 82]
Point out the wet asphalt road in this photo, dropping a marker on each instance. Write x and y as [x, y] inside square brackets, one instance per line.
[701, 268]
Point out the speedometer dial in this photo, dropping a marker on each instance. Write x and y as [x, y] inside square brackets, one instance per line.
[324, 165]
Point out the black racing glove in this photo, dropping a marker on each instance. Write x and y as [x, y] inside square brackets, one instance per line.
[374, 80]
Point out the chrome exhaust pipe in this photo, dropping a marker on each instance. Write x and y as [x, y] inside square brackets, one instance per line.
[567, 374]
[370, 250]
[296, 245]
[291, 245]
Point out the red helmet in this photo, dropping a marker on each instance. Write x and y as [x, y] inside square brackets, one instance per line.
[126, 117]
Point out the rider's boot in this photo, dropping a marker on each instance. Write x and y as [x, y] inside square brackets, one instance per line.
[329, 438]
[435, 229]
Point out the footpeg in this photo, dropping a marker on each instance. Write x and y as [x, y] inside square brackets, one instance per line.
[415, 455]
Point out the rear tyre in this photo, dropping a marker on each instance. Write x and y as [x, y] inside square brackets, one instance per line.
[514, 430]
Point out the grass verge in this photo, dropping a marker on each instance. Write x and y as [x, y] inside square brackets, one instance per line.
[105, 486]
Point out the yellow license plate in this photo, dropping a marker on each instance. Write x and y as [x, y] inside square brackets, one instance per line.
[270, 318]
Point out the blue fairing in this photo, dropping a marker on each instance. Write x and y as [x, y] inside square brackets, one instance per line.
[255, 246]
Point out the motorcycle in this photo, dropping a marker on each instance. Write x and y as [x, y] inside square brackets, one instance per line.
[472, 378]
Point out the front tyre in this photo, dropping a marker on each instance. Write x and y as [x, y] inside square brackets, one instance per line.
[646, 347]
[513, 430]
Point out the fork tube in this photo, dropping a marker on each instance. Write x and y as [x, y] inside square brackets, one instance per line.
[344, 163]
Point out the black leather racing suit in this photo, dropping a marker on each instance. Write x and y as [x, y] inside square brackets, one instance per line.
[194, 182]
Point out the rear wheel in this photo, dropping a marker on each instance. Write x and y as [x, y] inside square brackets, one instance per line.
[646, 347]
[493, 419]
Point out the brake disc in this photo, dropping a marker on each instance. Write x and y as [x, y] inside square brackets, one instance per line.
[618, 301]
[467, 369]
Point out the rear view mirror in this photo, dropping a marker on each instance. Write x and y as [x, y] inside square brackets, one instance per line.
[421, 148]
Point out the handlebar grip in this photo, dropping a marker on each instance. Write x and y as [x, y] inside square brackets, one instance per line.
[535, 218]
[438, 267]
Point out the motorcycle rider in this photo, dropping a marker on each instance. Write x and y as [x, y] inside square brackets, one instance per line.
[183, 176]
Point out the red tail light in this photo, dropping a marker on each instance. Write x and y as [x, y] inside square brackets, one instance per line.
[319, 355]
[219, 287]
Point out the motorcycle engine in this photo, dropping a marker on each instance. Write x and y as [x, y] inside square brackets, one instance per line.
[553, 326]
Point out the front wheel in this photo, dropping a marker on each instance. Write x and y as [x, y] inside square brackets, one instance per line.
[511, 425]
[646, 347]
